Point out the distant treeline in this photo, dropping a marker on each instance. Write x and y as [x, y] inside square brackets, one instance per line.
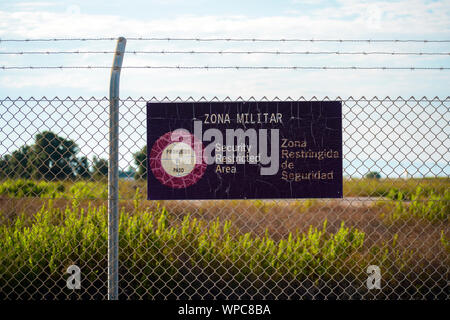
[52, 157]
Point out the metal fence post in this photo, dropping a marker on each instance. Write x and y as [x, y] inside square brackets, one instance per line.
[113, 173]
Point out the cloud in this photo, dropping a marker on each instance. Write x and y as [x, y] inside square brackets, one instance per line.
[42, 80]
[29, 5]
[351, 19]
[378, 19]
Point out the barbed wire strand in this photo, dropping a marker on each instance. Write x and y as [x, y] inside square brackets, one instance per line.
[227, 52]
[228, 39]
[229, 67]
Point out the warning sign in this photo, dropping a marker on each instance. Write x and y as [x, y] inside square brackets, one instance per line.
[244, 150]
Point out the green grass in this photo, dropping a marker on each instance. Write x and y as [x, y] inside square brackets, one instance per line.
[54, 237]
[156, 245]
[21, 188]
[395, 188]
[432, 207]
[445, 242]
[391, 188]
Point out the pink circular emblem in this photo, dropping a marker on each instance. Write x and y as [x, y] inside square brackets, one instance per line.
[176, 159]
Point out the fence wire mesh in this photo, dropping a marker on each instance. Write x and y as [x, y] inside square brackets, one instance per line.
[53, 196]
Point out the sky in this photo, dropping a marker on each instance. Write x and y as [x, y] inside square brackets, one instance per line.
[346, 19]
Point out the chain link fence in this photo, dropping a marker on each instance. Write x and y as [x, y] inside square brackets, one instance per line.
[53, 214]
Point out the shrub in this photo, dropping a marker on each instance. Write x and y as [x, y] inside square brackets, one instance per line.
[432, 207]
[373, 175]
[152, 244]
[27, 188]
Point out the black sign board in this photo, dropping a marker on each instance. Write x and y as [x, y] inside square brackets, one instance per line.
[244, 150]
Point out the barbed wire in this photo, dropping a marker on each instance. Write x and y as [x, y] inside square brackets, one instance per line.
[227, 52]
[229, 39]
[58, 39]
[229, 67]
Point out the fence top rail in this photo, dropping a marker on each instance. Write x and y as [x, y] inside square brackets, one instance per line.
[227, 99]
